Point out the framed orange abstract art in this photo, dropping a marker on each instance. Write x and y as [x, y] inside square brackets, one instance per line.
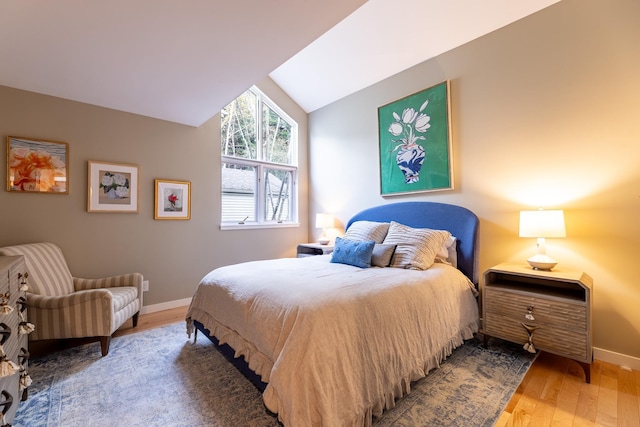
[37, 166]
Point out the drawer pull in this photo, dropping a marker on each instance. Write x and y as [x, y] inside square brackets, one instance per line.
[24, 383]
[5, 308]
[25, 328]
[7, 367]
[5, 333]
[23, 356]
[529, 315]
[25, 379]
[5, 404]
[530, 330]
[24, 286]
[21, 304]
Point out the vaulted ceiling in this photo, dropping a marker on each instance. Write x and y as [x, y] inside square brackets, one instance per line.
[184, 61]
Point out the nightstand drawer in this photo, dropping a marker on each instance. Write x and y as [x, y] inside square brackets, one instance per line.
[564, 314]
[546, 337]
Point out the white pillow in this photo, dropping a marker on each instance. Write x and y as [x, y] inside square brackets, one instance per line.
[416, 248]
[447, 253]
[367, 230]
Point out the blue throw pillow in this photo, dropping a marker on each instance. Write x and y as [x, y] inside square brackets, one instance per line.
[353, 252]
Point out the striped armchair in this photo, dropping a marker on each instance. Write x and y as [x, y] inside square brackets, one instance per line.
[63, 306]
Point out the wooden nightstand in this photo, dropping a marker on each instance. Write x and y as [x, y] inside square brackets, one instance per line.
[550, 310]
[310, 249]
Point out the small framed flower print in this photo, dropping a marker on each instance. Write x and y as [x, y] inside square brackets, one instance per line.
[415, 143]
[173, 199]
[112, 187]
[37, 166]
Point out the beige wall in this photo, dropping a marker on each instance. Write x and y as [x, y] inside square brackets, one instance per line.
[545, 112]
[172, 255]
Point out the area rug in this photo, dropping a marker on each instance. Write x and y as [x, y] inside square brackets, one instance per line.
[160, 378]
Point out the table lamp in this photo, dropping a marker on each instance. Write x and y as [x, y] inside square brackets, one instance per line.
[324, 221]
[542, 224]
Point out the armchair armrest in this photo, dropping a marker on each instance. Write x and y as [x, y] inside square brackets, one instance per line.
[131, 279]
[76, 315]
[45, 302]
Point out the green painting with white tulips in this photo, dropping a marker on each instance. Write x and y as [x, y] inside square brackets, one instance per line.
[415, 144]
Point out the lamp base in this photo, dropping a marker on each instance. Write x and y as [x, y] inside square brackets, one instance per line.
[542, 262]
[323, 241]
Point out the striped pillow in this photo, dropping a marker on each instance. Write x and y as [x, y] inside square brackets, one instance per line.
[416, 247]
[367, 230]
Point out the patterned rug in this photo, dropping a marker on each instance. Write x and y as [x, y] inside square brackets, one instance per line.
[160, 378]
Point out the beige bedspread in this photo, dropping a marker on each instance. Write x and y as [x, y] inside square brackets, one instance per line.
[336, 344]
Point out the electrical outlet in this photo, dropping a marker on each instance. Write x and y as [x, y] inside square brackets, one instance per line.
[145, 285]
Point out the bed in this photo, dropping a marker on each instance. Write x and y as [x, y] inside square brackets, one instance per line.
[337, 343]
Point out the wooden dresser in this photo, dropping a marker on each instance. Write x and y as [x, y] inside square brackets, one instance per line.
[543, 310]
[14, 343]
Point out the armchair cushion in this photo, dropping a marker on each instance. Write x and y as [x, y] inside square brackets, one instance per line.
[123, 296]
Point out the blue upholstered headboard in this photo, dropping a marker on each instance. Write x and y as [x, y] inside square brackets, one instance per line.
[459, 221]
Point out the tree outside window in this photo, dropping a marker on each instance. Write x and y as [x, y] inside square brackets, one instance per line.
[259, 170]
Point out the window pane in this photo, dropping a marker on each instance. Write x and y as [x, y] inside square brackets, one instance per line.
[277, 187]
[257, 141]
[239, 120]
[238, 193]
[276, 137]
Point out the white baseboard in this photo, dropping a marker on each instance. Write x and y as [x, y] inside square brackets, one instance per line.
[619, 359]
[165, 305]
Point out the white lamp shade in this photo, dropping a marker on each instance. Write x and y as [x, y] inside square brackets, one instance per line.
[542, 223]
[324, 221]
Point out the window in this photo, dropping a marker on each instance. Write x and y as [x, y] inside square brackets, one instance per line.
[259, 162]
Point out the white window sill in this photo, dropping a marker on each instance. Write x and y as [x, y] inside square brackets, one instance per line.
[254, 225]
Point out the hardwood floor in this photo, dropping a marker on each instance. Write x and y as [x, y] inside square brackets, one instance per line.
[553, 392]
[153, 320]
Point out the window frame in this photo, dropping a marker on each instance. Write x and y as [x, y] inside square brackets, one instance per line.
[260, 165]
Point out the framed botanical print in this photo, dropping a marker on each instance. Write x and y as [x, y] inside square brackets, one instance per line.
[37, 166]
[112, 187]
[173, 199]
[415, 143]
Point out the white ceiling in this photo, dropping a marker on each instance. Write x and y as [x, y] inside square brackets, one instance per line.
[184, 61]
[385, 37]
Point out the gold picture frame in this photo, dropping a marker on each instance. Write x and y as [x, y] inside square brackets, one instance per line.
[37, 166]
[112, 187]
[172, 199]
